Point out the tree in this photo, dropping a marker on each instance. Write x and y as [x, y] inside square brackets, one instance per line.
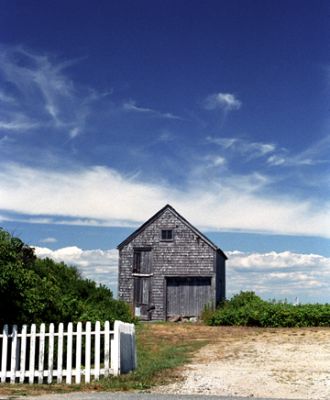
[34, 290]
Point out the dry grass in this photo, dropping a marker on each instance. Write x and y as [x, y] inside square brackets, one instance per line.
[278, 363]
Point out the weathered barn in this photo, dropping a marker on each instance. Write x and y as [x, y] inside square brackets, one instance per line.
[167, 267]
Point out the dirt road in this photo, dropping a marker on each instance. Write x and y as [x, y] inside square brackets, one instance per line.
[277, 363]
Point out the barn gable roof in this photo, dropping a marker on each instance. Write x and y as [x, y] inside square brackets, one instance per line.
[181, 218]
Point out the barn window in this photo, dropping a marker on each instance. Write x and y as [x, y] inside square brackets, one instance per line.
[167, 234]
[137, 261]
[142, 261]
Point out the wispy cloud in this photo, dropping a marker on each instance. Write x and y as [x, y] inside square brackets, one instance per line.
[17, 125]
[104, 195]
[243, 146]
[215, 160]
[317, 153]
[274, 156]
[223, 101]
[48, 240]
[39, 94]
[131, 106]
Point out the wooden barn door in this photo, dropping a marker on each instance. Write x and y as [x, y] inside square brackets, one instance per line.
[142, 271]
[187, 297]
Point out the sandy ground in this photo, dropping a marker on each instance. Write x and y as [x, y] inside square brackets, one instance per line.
[278, 363]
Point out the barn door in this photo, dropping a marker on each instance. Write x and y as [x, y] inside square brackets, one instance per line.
[142, 289]
[142, 271]
[187, 297]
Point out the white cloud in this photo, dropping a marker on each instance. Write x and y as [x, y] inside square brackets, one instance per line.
[317, 153]
[131, 106]
[242, 146]
[40, 90]
[106, 197]
[270, 275]
[74, 132]
[48, 240]
[18, 123]
[280, 275]
[224, 101]
[216, 161]
[98, 265]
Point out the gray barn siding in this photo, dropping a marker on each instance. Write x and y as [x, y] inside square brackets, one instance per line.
[220, 278]
[187, 255]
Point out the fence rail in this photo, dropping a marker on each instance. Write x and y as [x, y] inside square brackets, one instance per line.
[76, 354]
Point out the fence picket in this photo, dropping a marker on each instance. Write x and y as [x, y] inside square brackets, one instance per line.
[4, 353]
[41, 353]
[13, 354]
[60, 353]
[23, 353]
[106, 348]
[97, 350]
[78, 353]
[88, 353]
[69, 354]
[32, 353]
[19, 349]
[50, 353]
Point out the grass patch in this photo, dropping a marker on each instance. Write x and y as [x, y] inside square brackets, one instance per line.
[161, 349]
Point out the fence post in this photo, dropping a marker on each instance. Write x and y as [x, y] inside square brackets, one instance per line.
[115, 349]
[133, 339]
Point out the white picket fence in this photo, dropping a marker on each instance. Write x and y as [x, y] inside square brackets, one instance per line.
[76, 354]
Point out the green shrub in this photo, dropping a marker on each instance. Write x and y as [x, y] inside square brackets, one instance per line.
[247, 309]
[34, 290]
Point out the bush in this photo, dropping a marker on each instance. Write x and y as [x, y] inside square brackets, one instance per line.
[247, 309]
[34, 290]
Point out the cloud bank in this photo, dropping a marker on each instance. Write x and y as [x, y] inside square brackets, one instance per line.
[103, 196]
[280, 275]
[271, 275]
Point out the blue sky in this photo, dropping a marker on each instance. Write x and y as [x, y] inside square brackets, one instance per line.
[110, 110]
